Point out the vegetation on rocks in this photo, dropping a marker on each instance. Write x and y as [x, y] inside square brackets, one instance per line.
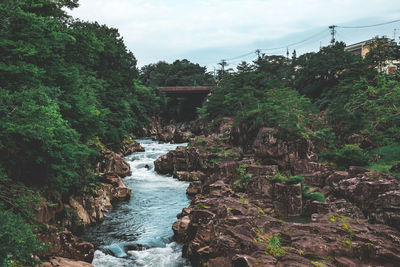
[327, 97]
[70, 90]
[65, 85]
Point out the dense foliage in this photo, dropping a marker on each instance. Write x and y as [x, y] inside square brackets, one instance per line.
[346, 104]
[65, 85]
[179, 73]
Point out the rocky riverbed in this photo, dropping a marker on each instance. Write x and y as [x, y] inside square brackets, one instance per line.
[241, 215]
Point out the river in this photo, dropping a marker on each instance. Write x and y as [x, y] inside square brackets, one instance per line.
[146, 219]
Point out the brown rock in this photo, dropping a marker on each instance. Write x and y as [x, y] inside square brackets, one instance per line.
[164, 165]
[114, 165]
[271, 149]
[167, 134]
[44, 213]
[180, 228]
[130, 146]
[182, 137]
[63, 262]
[65, 244]
[189, 176]
[194, 189]
[365, 189]
[334, 179]
[288, 199]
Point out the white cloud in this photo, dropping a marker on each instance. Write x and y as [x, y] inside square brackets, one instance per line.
[161, 29]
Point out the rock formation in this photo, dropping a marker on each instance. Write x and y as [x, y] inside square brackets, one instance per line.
[241, 215]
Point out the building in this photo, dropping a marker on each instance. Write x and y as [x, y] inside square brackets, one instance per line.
[361, 49]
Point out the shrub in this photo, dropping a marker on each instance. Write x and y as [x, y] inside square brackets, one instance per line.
[17, 240]
[288, 180]
[244, 176]
[347, 156]
[313, 196]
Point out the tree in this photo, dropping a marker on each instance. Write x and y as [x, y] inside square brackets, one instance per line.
[179, 73]
[382, 51]
[320, 72]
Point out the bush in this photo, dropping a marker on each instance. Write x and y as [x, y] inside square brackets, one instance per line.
[288, 180]
[244, 176]
[17, 240]
[313, 196]
[349, 155]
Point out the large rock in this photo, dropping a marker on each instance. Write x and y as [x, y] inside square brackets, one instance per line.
[89, 209]
[167, 134]
[260, 183]
[65, 244]
[288, 199]
[118, 191]
[114, 164]
[131, 146]
[272, 149]
[376, 194]
[44, 213]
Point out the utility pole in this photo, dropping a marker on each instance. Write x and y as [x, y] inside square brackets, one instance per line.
[258, 52]
[333, 32]
[395, 34]
[223, 63]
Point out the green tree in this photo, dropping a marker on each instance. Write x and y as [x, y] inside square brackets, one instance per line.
[382, 51]
[320, 73]
[179, 73]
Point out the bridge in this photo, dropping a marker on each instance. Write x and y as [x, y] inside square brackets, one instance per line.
[185, 100]
[186, 90]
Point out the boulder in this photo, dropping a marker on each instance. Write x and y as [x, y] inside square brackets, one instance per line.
[118, 191]
[65, 244]
[114, 164]
[182, 136]
[288, 199]
[44, 213]
[163, 164]
[130, 146]
[167, 134]
[365, 189]
[194, 188]
[181, 229]
[270, 147]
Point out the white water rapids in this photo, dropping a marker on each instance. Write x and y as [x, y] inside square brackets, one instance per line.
[146, 219]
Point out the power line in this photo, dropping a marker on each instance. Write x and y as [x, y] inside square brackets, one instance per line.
[257, 51]
[332, 32]
[244, 55]
[293, 44]
[368, 26]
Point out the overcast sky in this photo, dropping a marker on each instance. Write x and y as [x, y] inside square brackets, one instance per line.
[206, 31]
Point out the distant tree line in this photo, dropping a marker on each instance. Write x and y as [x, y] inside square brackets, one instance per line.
[326, 96]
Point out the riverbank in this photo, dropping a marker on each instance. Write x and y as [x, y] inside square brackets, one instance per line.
[137, 232]
[247, 211]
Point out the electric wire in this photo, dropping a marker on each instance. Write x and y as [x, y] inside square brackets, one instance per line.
[307, 39]
[296, 43]
[368, 26]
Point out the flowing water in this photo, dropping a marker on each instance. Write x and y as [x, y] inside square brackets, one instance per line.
[145, 220]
